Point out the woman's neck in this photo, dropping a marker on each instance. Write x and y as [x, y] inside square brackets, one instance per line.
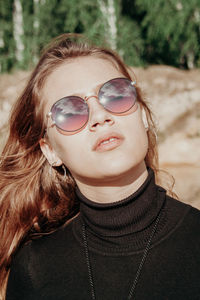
[120, 187]
[133, 214]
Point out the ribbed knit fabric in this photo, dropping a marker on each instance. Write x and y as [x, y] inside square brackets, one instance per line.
[123, 226]
[54, 266]
[129, 215]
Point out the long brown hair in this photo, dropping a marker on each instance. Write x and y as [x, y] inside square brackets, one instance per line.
[34, 198]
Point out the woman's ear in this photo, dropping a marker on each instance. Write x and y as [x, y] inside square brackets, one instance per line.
[49, 153]
[144, 118]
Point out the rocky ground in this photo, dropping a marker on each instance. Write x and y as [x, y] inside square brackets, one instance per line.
[174, 96]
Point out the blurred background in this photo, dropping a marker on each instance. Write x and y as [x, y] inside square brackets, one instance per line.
[160, 39]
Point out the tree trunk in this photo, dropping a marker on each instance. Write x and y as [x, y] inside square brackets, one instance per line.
[36, 23]
[110, 20]
[18, 30]
[1, 45]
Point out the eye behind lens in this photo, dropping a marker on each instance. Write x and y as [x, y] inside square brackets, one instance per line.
[118, 95]
[70, 113]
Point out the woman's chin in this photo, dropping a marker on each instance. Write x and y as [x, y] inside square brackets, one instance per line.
[117, 172]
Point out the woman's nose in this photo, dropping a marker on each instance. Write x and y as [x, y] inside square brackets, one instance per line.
[98, 116]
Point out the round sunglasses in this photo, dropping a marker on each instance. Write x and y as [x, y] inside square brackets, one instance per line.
[71, 113]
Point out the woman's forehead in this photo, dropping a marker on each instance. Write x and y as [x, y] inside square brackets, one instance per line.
[78, 76]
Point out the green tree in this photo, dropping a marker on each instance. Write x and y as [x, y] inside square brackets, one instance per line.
[143, 31]
[171, 31]
[83, 17]
[130, 42]
[7, 44]
[42, 22]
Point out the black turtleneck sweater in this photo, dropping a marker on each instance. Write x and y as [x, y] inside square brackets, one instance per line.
[54, 267]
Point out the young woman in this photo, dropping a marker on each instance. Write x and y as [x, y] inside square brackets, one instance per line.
[81, 214]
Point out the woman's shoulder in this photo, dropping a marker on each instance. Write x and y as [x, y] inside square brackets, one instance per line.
[178, 204]
[45, 244]
[40, 256]
[187, 216]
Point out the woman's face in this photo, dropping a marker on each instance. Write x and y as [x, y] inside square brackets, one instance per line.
[110, 146]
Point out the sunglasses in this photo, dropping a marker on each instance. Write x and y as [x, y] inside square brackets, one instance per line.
[71, 113]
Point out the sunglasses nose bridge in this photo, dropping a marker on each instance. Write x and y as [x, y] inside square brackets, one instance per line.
[92, 104]
[88, 96]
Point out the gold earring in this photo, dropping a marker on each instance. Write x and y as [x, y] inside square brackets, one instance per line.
[65, 172]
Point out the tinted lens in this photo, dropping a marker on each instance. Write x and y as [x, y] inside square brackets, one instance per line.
[70, 113]
[118, 95]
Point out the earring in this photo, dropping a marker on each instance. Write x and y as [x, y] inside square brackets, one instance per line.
[146, 125]
[65, 172]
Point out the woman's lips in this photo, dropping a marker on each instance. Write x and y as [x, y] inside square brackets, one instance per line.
[108, 142]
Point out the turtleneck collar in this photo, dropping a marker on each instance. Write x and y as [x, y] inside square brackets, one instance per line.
[130, 215]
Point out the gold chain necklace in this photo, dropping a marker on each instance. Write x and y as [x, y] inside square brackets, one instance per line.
[89, 267]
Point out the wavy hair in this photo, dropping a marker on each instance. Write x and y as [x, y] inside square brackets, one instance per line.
[34, 198]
